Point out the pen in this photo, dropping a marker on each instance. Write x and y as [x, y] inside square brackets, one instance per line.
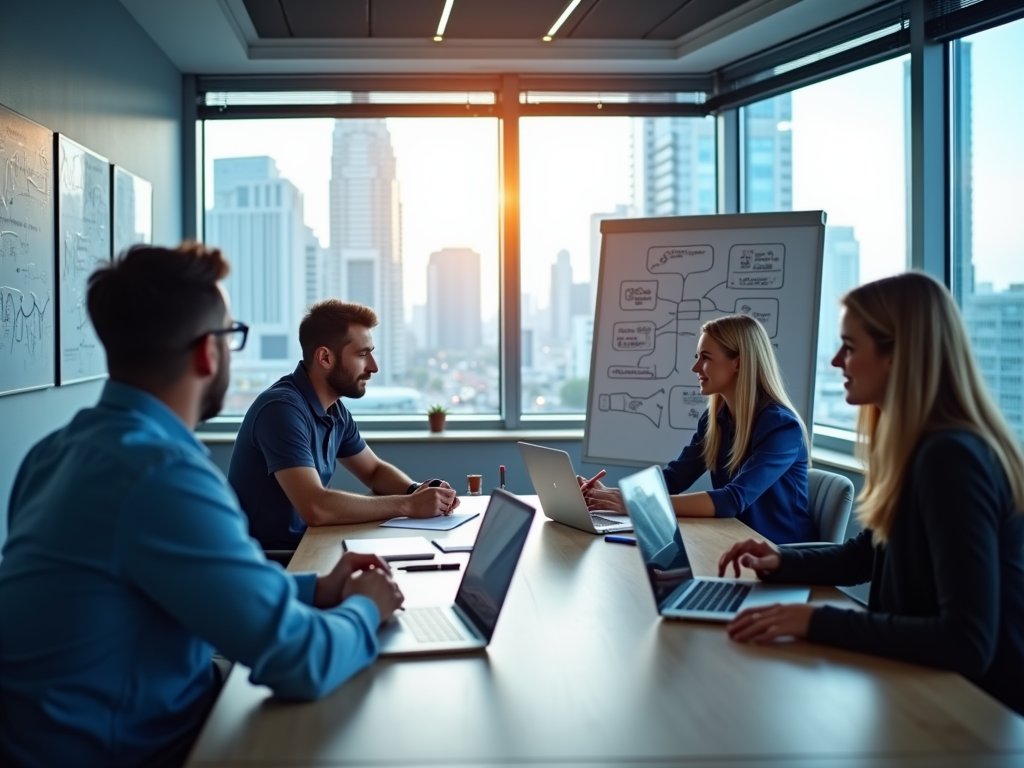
[612, 539]
[432, 567]
[501, 471]
[594, 479]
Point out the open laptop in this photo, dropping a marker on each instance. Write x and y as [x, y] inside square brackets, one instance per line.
[554, 479]
[678, 594]
[468, 624]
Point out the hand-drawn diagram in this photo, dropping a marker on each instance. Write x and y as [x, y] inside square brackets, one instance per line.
[26, 255]
[133, 210]
[645, 406]
[666, 314]
[83, 212]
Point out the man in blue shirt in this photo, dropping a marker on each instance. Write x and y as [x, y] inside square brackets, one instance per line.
[128, 559]
[295, 433]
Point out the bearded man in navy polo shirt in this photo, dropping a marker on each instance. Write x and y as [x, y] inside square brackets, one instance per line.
[294, 433]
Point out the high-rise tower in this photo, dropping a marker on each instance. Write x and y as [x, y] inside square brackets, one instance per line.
[365, 263]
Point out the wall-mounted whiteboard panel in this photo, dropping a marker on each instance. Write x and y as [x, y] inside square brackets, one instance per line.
[27, 301]
[83, 244]
[662, 278]
[132, 222]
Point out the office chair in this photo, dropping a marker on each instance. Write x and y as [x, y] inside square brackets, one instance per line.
[830, 499]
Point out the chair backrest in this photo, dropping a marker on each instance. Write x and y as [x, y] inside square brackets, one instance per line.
[830, 499]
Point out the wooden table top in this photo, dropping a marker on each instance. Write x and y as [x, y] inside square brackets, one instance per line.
[582, 671]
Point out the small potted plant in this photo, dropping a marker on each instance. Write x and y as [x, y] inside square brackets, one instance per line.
[436, 413]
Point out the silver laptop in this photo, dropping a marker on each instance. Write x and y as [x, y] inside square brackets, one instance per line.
[678, 594]
[561, 499]
[469, 623]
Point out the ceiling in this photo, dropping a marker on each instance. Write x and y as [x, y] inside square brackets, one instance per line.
[395, 36]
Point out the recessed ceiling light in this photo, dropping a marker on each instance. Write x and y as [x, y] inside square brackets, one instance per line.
[444, 20]
[561, 20]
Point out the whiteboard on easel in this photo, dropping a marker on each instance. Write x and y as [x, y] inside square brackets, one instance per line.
[660, 280]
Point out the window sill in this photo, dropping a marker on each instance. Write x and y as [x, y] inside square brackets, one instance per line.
[820, 457]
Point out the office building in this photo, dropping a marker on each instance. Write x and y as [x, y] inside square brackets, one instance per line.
[256, 219]
[453, 300]
[365, 264]
[316, 267]
[840, 273]
[560, 301]
[768, 155]
[995, 323]
[679, 166]
[620, 212]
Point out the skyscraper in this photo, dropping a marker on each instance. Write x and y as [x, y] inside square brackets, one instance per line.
[453, 300]
[679, 166]
[560, 305]
[768, 155]
[365, 263]
[620, 212]
[256, 220]
[316, 265]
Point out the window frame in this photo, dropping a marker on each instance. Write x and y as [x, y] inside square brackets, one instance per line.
[725, 91]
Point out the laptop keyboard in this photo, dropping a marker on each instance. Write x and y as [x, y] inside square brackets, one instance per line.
[430, 625]
[602, 522]
[715, 597]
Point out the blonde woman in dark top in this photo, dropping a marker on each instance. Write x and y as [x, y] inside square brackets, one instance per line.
[943, 544]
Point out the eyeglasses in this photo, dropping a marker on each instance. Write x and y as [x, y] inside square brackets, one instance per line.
[236, 335]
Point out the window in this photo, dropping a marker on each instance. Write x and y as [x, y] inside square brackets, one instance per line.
[576, 171]
[838, 146]
[987, 161]
[400, 214]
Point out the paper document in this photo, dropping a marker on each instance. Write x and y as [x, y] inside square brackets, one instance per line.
[404, 548]
[440, 523]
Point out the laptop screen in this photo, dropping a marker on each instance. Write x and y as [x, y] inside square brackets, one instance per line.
[495, 554]
[657, 532]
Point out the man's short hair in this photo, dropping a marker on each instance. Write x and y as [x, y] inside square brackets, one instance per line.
[327, 323]
[151, 305]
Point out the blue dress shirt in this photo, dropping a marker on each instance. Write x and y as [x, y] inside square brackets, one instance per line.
[287, 426]
[127, 562]
[769, 491]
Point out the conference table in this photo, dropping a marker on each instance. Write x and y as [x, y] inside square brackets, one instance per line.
[581, 671]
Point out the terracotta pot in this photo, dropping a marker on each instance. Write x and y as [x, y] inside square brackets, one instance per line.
[436, 421]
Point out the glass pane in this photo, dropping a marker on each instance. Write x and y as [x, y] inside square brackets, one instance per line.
[400, 214]
[988, 187]
[839, 146]
[576, 171]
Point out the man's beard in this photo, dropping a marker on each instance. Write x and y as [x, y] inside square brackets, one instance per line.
[213, 398]
[344, 383]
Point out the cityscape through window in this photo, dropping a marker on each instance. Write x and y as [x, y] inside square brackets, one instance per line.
[987, 189]
[398, 214]
[839, 146]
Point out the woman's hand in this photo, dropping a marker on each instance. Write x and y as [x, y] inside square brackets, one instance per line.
[759, 556]
[605, 500]
[763, 625]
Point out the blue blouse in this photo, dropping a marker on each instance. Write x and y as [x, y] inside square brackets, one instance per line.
[769, 491]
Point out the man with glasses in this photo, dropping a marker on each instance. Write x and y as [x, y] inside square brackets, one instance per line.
[298, 430]
[128, 559]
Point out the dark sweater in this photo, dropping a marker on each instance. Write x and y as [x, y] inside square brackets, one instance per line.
[947, 589]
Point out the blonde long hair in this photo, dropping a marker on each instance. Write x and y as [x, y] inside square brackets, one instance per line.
[758, 383]
[933, 384]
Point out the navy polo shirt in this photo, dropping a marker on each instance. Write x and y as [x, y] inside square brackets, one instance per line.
[287, 427]
[769, 490]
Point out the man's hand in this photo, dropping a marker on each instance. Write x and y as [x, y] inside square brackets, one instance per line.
[379, 587]
[329, 588]
[427, 501]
